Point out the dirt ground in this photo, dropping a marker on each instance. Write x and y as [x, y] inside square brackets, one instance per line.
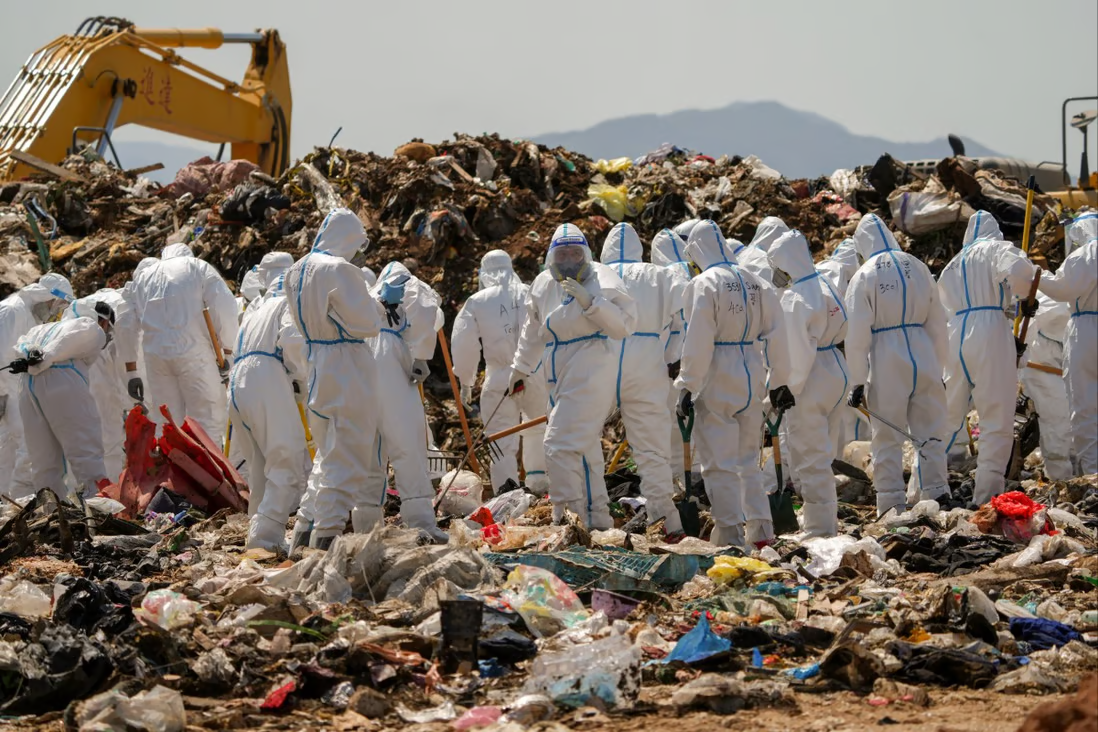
[949, 711]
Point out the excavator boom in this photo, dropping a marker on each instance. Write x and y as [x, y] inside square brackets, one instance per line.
[110, 73]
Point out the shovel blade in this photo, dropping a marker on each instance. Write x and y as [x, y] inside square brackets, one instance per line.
[690, 516]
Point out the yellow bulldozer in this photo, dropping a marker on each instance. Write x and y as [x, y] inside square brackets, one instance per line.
[80, 88]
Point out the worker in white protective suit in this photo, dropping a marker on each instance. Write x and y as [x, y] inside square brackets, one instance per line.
[251, 287]
[669, 250]
[106, 378]
[641, 387]
[1076, 283]
[335, 313]
[975, 289]
[815, 325]
[59, 415]
[896, 343]
[490, 321]
[576, 306]
[370, 276]
[401, 352]
[753, 256]
[168, 298]
[267, 376]
[1043, 381]
[723, 377]
[837, 269]
[36, 303]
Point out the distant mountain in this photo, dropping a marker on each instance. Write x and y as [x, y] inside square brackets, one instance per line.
[136, 154]
[798, 144]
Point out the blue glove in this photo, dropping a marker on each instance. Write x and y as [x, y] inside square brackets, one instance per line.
[392, 294]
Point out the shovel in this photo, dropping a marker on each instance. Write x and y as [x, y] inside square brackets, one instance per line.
[781, 501]
[688, 506]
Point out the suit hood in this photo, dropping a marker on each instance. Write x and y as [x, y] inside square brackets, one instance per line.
[872, 237]
[272, 265]
[770, 230]
[1082, 231]
[790, 254]
[981, 225]
[707, 246]
[622, 246]
[341, 234]
[172, 251]
[668, 248]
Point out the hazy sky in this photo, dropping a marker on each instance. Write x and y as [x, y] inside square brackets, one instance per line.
[990, 70]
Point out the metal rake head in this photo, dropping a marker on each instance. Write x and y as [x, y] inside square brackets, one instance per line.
[442, 461]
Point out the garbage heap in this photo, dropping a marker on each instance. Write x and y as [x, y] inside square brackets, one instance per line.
[166, 622]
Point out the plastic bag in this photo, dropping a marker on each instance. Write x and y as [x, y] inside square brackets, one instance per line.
[609, 668]
[544, 601]
[166, 609]
[478, 717]
[23, 598]
[931, 209]
[464, 495]
[617, 165]
[1020, 517]
[614, 200]
[158, 710]
[509, 505]
[726, 569]
[699, 644]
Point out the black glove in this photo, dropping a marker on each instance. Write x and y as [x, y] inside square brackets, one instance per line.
[1028, 308]
[19, 366]
[224, 369]
[34, 357]
[857, 396]
[136, 389]
[673, 369]
[1019, 346]
[686, 405]
[392, 313]
[782, 399]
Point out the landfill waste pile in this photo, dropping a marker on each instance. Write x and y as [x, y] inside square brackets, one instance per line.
[166, 622]
[147, 612]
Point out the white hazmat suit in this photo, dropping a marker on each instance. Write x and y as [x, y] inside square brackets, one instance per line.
[728, 311]
[975, 289]
[576, 306]
[1047, 390]
[490, 321]
[270, 357]
[896, 342]
[60, 418]
[402, 346]
[753, 256]
[106, 379]
[642, 387]
[168, 299]
[669, 250]
[815, 326]
[1076, 283]
[19, 312]
[837, 269]
[335, 313]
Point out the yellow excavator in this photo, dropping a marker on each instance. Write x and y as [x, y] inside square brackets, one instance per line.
[78, 89]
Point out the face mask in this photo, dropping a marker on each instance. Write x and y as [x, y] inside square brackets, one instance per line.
[43, 311]
[568, 270]
[780, 278]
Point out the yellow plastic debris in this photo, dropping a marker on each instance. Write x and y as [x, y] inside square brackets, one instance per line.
[617, 165]
[614, 200]
[729, 569]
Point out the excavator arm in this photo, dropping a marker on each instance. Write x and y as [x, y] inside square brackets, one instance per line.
[110, 73]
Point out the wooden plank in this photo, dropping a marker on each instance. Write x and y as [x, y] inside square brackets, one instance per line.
[145, 169]
[39, 164]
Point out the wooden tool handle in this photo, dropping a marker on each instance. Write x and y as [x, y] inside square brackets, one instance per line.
[214, 339]
[457, 398]
[517, 428]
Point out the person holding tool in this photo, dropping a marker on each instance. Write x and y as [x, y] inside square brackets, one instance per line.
[105, 377]
[729, 311]
[168, 299]
[1076, 283]
[642, 386]
[815, 325]
[1043, 381]
[490, 320]
[401, 351]
[266, 378]
[575, 305]
[36, 303]
[896, 343]
[976, 288]
[60, 418]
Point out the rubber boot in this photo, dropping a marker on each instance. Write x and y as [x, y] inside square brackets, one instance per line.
[727, 536]
[890, 501]
[303, 534]
[419, 513]
[759, 532]
[323, 539]
[266, 533]
[365, 518]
